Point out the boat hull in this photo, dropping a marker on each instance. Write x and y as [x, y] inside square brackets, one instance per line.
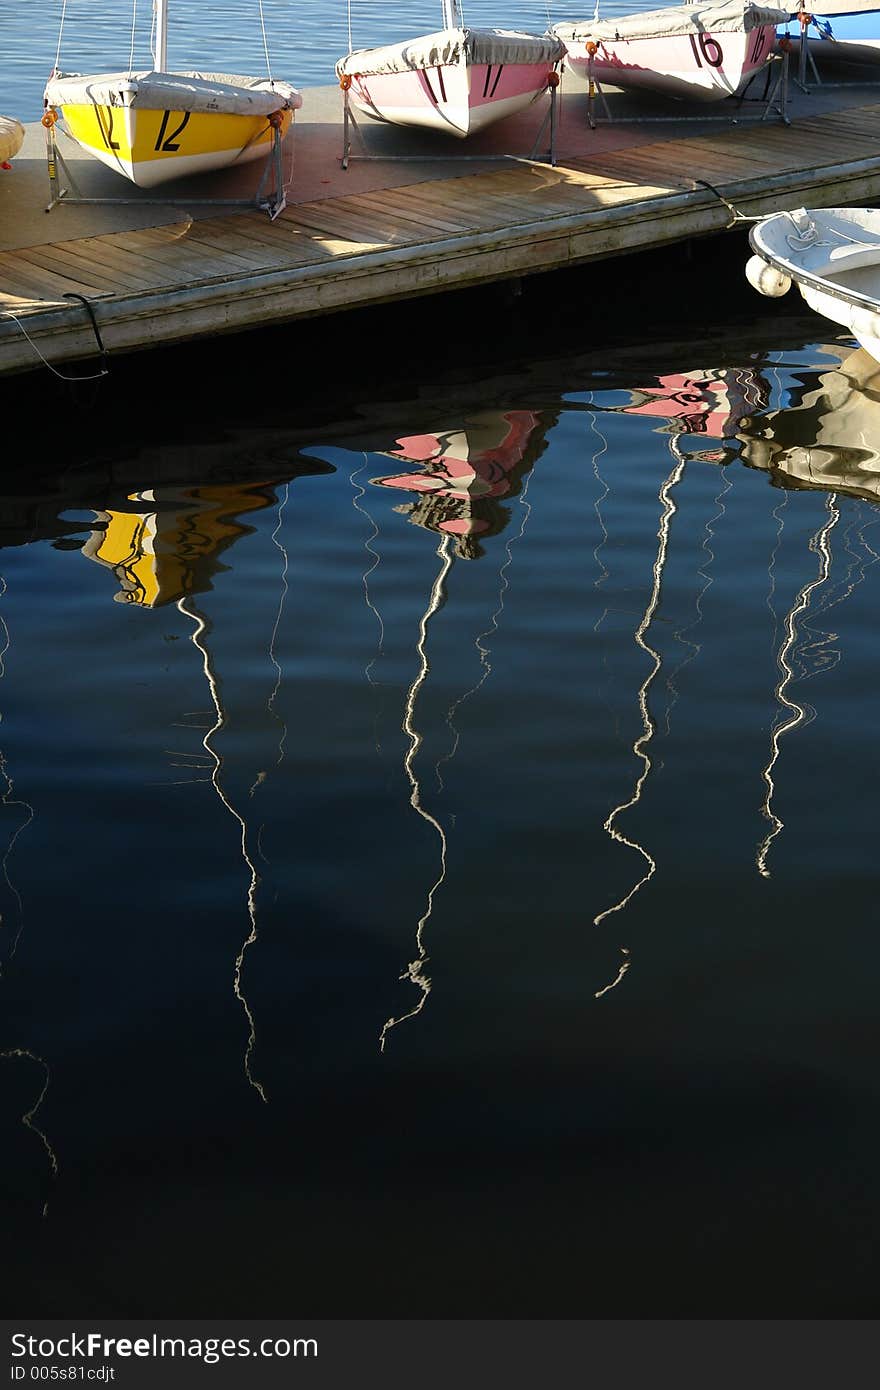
[11, 138]
[151, 147]
[833, 256]
[697, 67]
[459, 99]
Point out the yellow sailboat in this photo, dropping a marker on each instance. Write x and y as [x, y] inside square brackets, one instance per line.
[154, 126]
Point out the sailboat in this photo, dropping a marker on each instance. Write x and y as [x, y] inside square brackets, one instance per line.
[458, 80]
[696, 52]
[154, 126]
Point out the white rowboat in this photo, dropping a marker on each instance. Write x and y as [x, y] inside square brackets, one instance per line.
[833, 256]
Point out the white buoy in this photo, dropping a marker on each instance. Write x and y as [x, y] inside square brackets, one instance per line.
[766, 279]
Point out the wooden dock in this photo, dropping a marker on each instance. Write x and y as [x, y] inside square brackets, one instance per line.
[395, 230]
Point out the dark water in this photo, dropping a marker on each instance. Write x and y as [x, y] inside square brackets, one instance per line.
[441, 890]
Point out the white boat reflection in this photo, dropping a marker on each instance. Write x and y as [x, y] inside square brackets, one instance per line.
[828, 439]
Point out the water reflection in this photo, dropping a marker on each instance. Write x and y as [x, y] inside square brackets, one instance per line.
[501, 819]
[464, 471]
[701, 405]
[28, 1117]
[172, 546]
[167, 553]
[640, 746]
[710, 402]
[461, 471]
[829, 437]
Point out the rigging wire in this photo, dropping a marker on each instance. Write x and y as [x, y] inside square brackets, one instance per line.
[265, 42]
[134, 10]
[60, 32]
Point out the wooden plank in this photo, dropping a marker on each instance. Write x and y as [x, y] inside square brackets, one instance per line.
[157, 243]
[177, 254]
[256, 254]
[66, 260]
[361, 229]
[45, 284]
[108, 252]
[394, 207]
[300, 244]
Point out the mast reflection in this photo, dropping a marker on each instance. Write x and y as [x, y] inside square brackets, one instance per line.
[828, 440]
[705, 405]
[463, 473]
[168, 552]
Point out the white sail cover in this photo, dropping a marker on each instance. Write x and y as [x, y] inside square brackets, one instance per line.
[839, 7]
[174, 91]
[11, 137]
[452, 46]
[732, 15]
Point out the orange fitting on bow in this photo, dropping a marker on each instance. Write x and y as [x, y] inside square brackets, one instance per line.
[276, 120]
[785, 43]
[553, 79]
[592, 49]
[804, 19]
[49, 118]
[345, 81]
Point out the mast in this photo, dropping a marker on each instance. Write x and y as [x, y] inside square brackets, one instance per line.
[451, 14]
[160, 8]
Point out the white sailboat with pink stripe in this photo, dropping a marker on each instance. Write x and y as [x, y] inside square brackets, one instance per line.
[696, 52]
[458, 80]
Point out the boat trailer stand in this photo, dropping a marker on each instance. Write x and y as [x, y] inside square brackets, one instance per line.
[775, 100]
[349, 123]
[273, 202]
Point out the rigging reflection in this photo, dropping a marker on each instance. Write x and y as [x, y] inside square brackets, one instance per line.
[463, 473]
[705, 404]
[641, 744]
[168, 552]
[827, 440]
[28, 1117]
